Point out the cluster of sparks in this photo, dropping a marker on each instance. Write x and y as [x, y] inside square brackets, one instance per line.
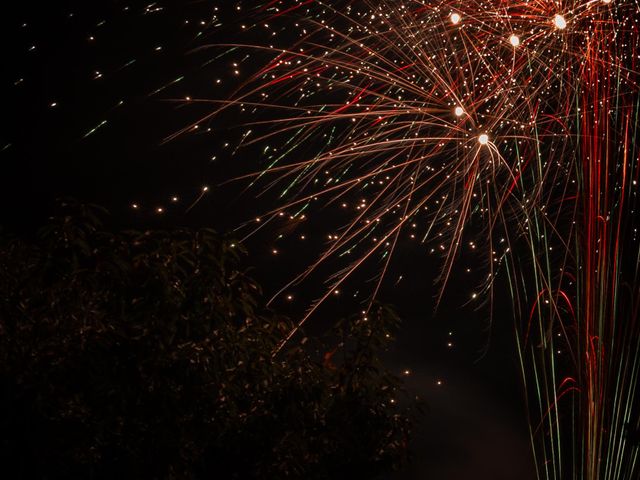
[521, 118]
[107, 82]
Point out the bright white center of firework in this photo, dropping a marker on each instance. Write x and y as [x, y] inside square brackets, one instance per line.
[560, 22]
[455, 18]
[514, 40]
[483, 139]
[459, 111]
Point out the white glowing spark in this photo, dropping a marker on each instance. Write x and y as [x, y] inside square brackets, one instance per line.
[560, 22]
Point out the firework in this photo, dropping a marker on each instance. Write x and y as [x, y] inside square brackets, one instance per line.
[521, 117]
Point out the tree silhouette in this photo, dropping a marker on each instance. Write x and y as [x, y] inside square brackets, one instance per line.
[149, 355]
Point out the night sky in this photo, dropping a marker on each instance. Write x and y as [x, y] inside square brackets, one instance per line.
[93, 93]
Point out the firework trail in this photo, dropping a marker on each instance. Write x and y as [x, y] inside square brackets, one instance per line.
[519, 117]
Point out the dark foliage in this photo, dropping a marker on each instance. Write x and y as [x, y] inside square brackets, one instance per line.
[149, 355]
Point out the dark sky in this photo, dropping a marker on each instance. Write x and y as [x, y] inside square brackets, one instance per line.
[88, 97]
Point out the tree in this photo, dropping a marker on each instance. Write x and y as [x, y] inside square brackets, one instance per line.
[150, 355]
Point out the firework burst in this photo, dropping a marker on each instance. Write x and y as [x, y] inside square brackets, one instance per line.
[519, 116]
